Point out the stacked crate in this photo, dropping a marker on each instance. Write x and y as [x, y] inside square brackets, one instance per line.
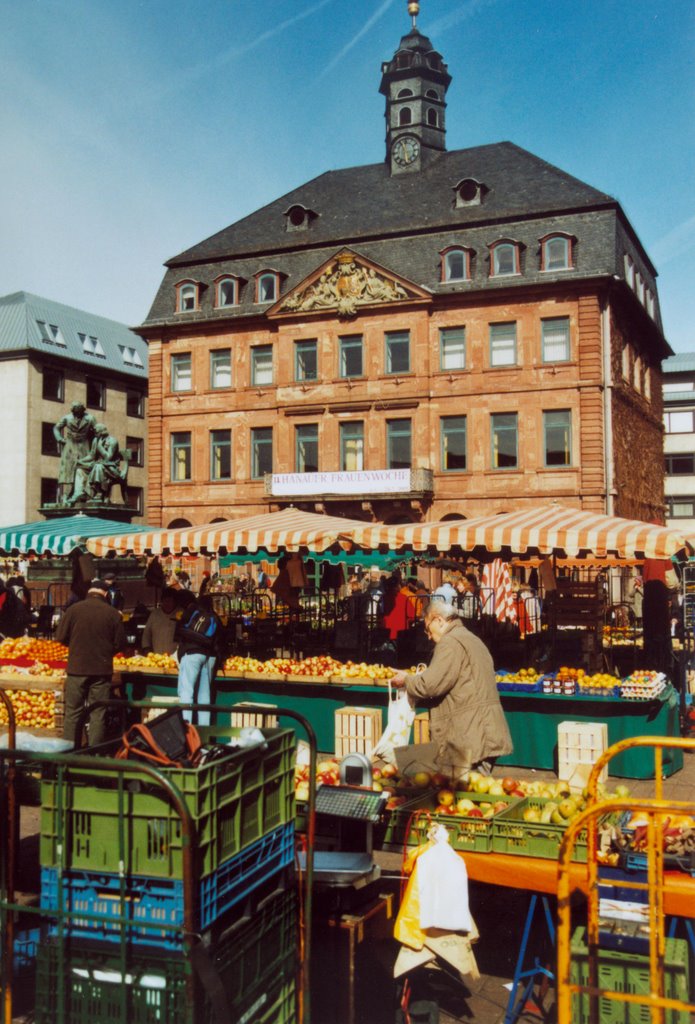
[112, 888]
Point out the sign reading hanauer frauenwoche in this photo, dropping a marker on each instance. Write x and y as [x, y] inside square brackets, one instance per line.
[368, 481]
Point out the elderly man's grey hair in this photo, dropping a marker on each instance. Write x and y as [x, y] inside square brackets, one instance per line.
[443, 609]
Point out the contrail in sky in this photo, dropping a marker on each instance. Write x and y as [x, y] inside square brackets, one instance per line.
[463, 11]
[187, 75]
[674, 243]
[355, 39]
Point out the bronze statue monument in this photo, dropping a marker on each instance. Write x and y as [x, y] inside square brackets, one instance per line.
[91, 461]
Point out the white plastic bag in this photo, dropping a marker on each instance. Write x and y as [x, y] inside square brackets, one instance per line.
[399, 722]
[443, 886]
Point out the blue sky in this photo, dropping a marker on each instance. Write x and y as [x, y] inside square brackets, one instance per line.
[134, 128]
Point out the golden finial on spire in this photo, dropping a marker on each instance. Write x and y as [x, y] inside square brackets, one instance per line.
[414, 10]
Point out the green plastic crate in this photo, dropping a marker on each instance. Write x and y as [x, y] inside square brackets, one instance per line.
[465, 833]
[628, 972]
[234, 800]
[512, 834]
[256, 961]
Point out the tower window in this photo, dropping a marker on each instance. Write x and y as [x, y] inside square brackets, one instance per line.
[403, 60]
[405, 116]
[432, 117]
[432, 94]
[403, 94]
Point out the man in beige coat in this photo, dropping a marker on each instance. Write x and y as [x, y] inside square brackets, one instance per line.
[466, 719]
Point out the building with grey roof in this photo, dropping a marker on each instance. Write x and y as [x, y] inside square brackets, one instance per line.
[52, 355]
[444, 333]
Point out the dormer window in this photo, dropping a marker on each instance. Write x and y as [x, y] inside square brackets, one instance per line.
[187, 298]
[557, 252]
[267, 286]
[505, 258]
[51, 333]
[91, 346]
[131, 356]
[403, 60]
[226, 292]
[298, 217]
[469, 192]
[456, 263]
[405, 116]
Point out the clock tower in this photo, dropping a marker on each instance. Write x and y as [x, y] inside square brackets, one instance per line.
[414, 83]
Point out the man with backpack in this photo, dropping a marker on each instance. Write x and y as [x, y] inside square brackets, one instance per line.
[199, 636]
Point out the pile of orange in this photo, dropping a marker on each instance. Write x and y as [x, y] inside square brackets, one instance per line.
[35, 648]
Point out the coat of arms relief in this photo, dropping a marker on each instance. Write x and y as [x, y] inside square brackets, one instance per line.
[344, 286]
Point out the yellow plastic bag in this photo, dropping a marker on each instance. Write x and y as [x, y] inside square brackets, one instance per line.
[406, 929]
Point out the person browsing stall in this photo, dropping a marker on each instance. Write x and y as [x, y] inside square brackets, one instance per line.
[93, 632]
[466, 718]
[158, 634]
[199, 637]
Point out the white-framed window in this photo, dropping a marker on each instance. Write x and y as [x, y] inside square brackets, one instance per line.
[555, 339]
[679, 421]
[556, 252]
[221, 368]
[51, 333]
[503, 344]
[181, 371]
[505, 259]
[267, 287]
[187, 297]
[262, 365]
[452, 348]
[226, 292]
[456, 264]
[680, 507]
[680, 464]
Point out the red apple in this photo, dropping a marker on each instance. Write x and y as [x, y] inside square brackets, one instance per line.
[475, 812]
[509, 785]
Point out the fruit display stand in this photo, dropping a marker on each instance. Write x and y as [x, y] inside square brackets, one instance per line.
[533, 720]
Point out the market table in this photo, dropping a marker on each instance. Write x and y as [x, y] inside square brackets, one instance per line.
[533, 719]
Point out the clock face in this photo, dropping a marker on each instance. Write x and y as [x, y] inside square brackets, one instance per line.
[405, 150]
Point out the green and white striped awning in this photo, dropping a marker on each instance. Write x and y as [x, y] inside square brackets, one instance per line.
[60, 536]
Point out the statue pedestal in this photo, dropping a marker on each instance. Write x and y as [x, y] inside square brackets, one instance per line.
[97, 509]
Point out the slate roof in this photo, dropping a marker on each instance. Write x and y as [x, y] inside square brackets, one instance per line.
[403, 222]
[22, 313]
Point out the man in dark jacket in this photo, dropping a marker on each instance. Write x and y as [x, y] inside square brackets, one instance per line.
[93, 632]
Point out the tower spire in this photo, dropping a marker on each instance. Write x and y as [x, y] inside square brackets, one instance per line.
[414, 10]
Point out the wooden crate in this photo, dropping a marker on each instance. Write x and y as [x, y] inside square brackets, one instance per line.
[244, 719]
[357, 730]
[579, 745]
[421, 728]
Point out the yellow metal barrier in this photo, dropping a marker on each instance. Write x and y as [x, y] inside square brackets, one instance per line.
[655, 810]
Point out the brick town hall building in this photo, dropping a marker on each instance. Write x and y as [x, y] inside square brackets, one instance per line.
[443, 334]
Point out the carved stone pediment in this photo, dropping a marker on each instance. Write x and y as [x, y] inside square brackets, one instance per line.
[345, 284]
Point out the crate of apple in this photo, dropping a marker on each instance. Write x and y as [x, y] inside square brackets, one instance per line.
[32, 708]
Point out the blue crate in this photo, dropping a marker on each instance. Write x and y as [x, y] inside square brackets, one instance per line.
[153, 907]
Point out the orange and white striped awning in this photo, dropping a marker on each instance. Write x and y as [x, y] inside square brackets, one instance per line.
[290, 529]
[547, 529]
